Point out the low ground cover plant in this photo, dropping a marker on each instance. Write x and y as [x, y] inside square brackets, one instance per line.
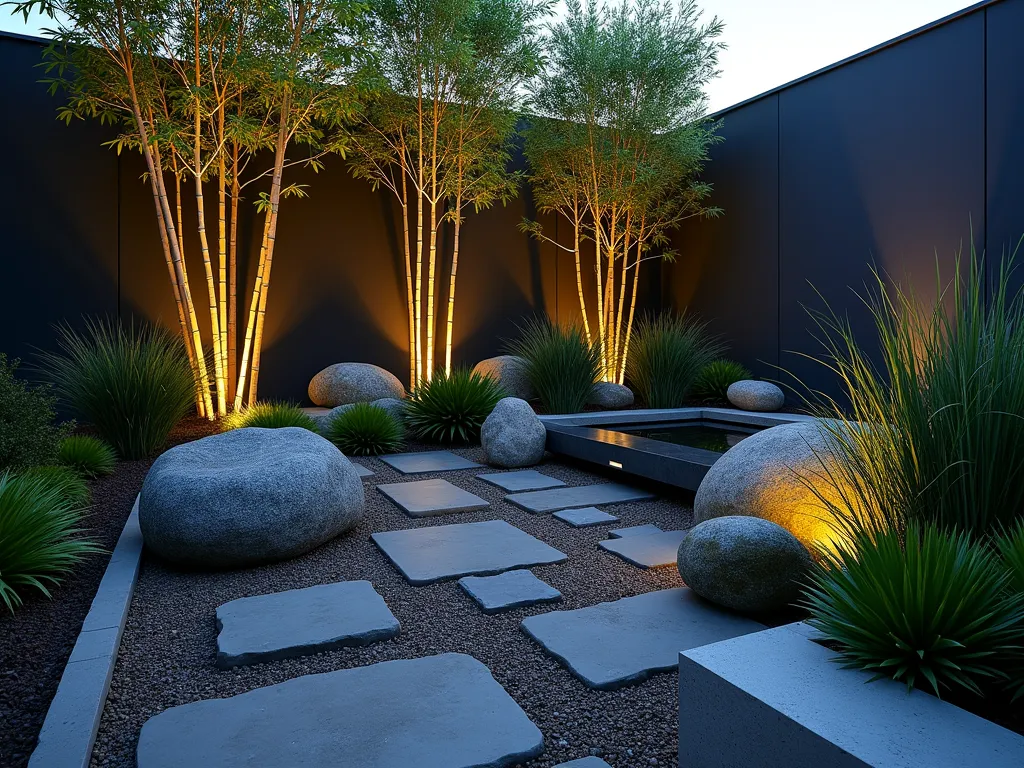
[451, 408]
[365, 430]
[666, 358]
[29, 435]
[716, 377]
[561, 364]
[269, 415]
[87, 455]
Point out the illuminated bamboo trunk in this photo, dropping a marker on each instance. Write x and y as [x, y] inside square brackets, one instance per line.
[413, 341]
[431, 262]
[211, 285]
[233, 278]
[632, 303]
[451, 290]
[579, 269]
[222, 260]
[622, 299]
[250, 327]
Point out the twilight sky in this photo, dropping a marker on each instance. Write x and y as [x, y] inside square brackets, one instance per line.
[770, 41]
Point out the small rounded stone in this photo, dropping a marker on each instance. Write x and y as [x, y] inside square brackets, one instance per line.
[344, 383]
[611, 396]
[512, 435]
[749, 395]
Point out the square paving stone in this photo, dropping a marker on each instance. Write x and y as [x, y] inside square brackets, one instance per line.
[512, 589]
[634, 530]
[427, 498]
[427, 461]
[442, 711]
[298, 622]
[361, 470]
[521, 480]
[580, 518]
[610, 645]
[580, 496]
[585, 762]
[651, 550]
[426, 555]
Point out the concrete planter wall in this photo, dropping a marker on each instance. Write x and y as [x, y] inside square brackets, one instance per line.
[775, 698]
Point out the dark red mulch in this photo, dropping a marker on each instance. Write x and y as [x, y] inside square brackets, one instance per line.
[36, 641]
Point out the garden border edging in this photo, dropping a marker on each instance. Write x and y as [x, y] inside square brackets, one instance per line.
[73, 719]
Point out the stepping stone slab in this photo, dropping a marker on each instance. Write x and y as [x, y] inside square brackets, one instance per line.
[361, 470]
[585, 762]
[427, 498]
[512, 589]
[442, 711]
[651, 550]
[427, 461]
[614, 644]
[580, 518]
[521, 480]
[580, 496]
[426, 555]
[299, 622]
[635, 530]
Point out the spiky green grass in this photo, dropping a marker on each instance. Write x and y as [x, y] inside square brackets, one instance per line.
[365, 430]
[560, 364]
[716, 377]
[666, 357]
[269, 416]
[451, 408]
[89, 456]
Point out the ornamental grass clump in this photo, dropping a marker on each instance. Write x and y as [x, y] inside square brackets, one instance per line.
[132, 382]
[668, 354]
[65, 479]
[40, 535]
[269, 416]
[89, 456]
[366, 430]
[561, 364]
[451, 408]
[716, 377]
[28, 434]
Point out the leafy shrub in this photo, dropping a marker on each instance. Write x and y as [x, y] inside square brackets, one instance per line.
[365, 430]
[667, 355]
[931, 609]
[560, 364]
[64, 479]
[134, 383]
[452, 408]
[716, 377]
[28, 435]
[89, 456]
[40, 537]
[269, 416]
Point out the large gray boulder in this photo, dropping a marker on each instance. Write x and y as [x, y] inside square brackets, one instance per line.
[766, 476]
[248, 496]
[344, 383]
[743, 563]
[513, 436]
[323, 420]
[610, 396]
[750, 395]
[510, 372]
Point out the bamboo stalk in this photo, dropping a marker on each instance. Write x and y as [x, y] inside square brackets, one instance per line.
[413, 342]
[222, 260]
[233, 278]
[451, 287]
[250, 327]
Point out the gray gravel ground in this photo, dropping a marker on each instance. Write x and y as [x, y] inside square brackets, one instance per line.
[168, 652]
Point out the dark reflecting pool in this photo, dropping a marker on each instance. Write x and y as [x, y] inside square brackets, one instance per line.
[706, 435]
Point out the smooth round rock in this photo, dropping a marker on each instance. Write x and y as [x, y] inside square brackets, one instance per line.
[611, 396]
[513, 436]
[749, 395]
[392, 405]
[743, 563]
[344, 383]
[510, 372]
[248, 496]
[763, 476]
[323, 420]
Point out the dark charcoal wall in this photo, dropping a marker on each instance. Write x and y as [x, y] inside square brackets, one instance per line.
[888, 159]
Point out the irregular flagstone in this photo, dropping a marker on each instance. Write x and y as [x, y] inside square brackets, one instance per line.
[442, 711]
[299, 622]
[521, 480]
[512, 589]
[580, 518]
[585, 762]
[634, 530]
[579, 496]
[651, 550]
[610, 645]
[427, 498]
[426, 555]
[427, 461]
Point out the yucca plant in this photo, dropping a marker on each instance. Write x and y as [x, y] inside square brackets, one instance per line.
[451, 408]
[716, 377]
[668, 354]
[40, 535]
[89, 456]
[133, 382]
[561, 364]
[923, 606]
[269, 415]
[365, 430]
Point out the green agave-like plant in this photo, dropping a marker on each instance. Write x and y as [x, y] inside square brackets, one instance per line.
[89, 456]
[269, 415]
[667, 355]
[366, 430]
[65, 479]
[923, 606]
[1010, 544]
[451, 408]
[40, 534]
[561, 364]
[716, 377]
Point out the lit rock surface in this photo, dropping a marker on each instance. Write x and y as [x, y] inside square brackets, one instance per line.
[442, 711]
[512, 435]
[510, 372]
[749, 395]
[512, 589]
[343, 383]
[248, 496]
[610, 396]
[651, 550]
[743, 563]
[426, 498]
[299, 622]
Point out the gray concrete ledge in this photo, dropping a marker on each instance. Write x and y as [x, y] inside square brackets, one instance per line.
[648, 415]
[69, 731]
